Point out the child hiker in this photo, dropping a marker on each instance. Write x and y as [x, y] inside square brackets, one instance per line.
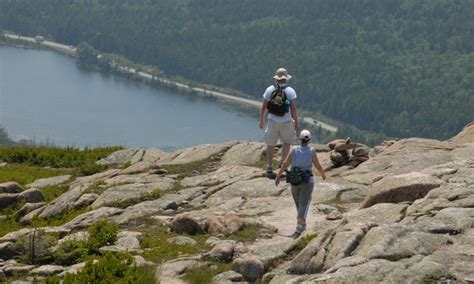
[302, 159]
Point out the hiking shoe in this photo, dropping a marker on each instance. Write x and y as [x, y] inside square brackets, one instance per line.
[269, 173]
[295, 235]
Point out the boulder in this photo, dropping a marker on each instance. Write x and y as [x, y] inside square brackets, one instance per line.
[140, 167]
[47, 270]
[10, 187]
[226, 224]
[27, 208]
[166, 202]
[73, 269]
[361, 151]
[395, 241]
[170, 271]
[89, 218]
[125, 244]
[142, 178]
[225, 175]
[228, 277]
[17, 269]
[247, 189]
[119, 158]
[64, 202]
[8, 200]
[141, 262]
[381, 213]
[250, 267]
[406, 187]
[186, 223]
[223, 251]
[465, 136]
[7, 250]
[131, 192]
[28, 218]
[199, 153]
[181, 240]
[85, 200]
[154, 155]
[32, 195]
[44, 182]
[244, 154]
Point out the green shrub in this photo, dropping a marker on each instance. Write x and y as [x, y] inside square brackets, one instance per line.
[110, 268]
[101, 234]
[91, 168]
[71, 252]
[55, 157]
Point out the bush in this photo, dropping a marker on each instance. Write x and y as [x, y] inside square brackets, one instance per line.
[101, 234]
[110, 268]
[55, 157]
[71, 252]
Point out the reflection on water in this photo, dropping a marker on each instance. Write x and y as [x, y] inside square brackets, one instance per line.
[46, 96]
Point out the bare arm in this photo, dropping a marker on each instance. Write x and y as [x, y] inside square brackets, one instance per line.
[285, 165]
[317, 165]
[263, 110]
[294, 115]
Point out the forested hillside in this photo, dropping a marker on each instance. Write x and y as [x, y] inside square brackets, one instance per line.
[401, 68]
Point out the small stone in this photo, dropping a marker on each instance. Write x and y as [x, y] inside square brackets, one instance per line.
[334, 216]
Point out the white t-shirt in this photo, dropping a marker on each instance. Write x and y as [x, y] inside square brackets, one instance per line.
[290, 94]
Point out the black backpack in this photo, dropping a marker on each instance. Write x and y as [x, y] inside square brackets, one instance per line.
[279, 103]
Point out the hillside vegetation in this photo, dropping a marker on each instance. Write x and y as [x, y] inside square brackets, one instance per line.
[398, 68]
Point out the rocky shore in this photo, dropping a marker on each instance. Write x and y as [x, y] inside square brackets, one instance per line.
[406, 215]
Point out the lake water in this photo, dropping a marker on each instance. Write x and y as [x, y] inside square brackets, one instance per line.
[47, 97]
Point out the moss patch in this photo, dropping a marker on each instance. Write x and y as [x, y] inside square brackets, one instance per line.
[159, 250]
[304, 241]
[195, 168]
[204, 274]
[249, 233]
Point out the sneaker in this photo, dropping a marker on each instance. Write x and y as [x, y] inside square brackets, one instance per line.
[300, 228]
[295, 235]
[269, 173]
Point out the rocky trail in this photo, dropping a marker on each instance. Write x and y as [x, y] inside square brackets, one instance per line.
[406, 215]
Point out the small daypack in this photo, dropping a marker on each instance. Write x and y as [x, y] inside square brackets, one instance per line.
[296, 176]
[279, 103]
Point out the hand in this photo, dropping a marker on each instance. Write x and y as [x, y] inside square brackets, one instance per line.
[323, 176]
[297, 127]
[262, 124]
[277, 180]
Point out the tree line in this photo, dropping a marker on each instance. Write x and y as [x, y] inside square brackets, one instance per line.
[397, 68]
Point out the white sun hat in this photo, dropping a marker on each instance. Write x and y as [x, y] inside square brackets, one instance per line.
[282, 74]
[305, 134]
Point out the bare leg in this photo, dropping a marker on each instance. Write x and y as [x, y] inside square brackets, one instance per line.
[269, 155]
[284, 151]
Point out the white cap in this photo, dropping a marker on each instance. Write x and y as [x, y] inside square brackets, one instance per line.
[305, 134]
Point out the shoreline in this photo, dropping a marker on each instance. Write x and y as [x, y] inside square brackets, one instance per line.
[243, 102]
